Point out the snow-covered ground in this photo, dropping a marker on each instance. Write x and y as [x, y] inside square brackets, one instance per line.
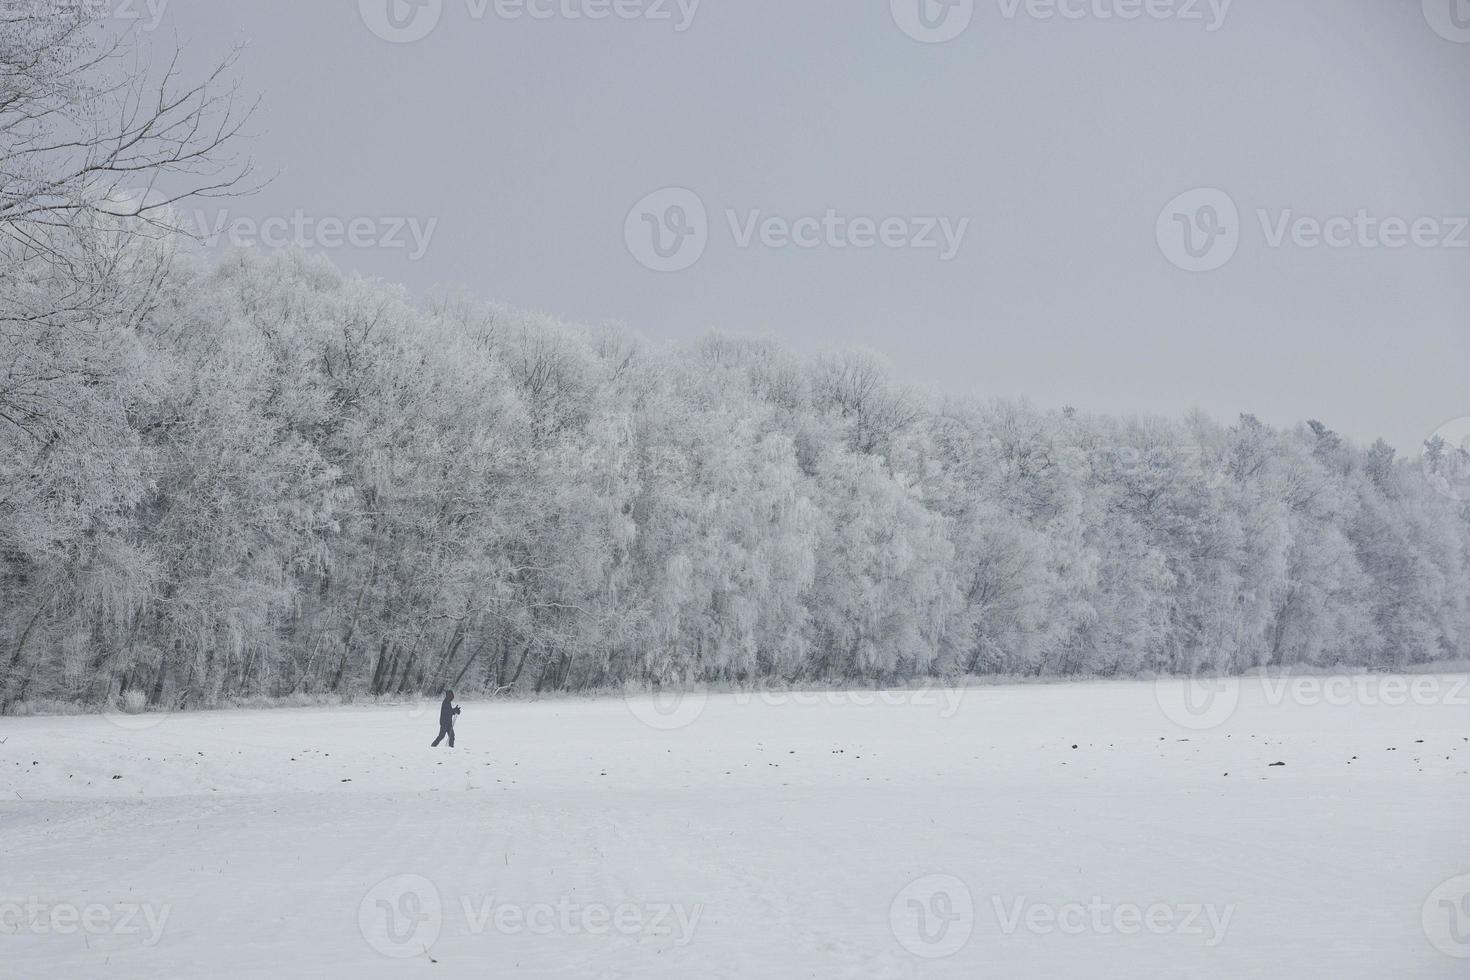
[1101, 830]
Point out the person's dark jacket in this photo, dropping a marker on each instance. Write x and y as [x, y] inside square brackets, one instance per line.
[447, 711]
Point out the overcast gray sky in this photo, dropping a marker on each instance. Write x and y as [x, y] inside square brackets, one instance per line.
[1061, 129]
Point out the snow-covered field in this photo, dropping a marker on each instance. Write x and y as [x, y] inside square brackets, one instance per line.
[1093, 830]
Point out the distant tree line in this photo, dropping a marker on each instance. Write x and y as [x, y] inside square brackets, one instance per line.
[262, 477]
[258, 476]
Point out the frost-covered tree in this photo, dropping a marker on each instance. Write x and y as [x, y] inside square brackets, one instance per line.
[269, 478]
[92, 152]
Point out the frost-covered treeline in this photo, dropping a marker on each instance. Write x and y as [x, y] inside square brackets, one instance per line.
[269, 478]
[259, 476]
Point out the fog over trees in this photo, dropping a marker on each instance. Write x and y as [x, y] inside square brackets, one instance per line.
[259, 476]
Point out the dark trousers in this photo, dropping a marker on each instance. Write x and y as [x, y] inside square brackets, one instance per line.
[442, 732]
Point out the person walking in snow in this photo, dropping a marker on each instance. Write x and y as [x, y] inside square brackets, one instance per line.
[447, 711]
